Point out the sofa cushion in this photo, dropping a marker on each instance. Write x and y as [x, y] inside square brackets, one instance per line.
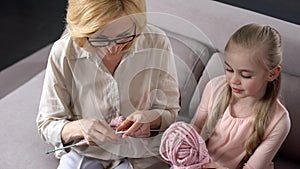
[284, 163]
[21, 146]
[19, 73]
[214, 68]
[290, 96]
[190, 58]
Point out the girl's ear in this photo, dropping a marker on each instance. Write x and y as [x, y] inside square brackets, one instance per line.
[274, 73]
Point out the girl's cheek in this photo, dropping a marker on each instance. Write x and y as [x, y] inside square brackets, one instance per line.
[227, 77]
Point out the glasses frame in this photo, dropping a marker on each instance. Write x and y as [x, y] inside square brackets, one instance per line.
[109, 41]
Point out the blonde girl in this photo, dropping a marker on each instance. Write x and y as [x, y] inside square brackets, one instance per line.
[240, 116]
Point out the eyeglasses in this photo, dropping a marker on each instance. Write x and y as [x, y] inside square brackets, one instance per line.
[106, 42]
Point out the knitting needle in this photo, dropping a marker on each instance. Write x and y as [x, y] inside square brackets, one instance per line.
[83, 142]
[122, 131]
[80, 143]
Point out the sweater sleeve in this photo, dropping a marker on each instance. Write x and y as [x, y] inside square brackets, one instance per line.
[210, 96]
[54, 110]
[265, 152]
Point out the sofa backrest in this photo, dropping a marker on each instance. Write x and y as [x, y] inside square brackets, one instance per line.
[213, 22]
[191, 56]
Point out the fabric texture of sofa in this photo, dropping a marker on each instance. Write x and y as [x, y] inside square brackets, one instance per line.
[198, 31]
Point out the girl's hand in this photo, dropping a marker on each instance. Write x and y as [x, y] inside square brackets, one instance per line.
[213, 165]
[138, 124]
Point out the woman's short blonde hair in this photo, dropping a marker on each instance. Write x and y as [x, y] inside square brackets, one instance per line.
[85, 17]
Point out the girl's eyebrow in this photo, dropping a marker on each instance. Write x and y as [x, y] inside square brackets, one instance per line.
[240, 70]
[227, 64]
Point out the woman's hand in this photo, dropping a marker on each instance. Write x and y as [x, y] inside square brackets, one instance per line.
[138, 124]
[213, 165]
[95, 132]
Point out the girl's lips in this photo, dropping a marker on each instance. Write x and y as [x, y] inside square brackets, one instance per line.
[236, 90]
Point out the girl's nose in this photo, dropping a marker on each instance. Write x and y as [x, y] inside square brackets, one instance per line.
[235, 79]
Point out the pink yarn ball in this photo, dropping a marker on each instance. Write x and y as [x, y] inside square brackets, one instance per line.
[183, 147]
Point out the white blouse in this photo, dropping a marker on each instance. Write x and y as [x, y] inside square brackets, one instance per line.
[78, 85]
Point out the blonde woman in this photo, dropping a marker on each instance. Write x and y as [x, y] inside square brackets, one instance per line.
[110, 64]
[240, 116]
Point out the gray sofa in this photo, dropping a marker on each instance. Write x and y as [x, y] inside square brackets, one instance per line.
[198, 31]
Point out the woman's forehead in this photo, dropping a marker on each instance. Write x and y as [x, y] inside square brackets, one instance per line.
[115, 28]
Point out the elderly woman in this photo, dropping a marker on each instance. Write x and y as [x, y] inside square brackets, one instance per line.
[109, 64]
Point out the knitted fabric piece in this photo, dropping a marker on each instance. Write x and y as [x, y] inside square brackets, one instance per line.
[116, 122]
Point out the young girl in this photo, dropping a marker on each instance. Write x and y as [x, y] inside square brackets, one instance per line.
[240, 116]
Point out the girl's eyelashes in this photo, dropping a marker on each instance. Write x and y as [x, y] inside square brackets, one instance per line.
[229, 70]
[246, 77]
[247, 74]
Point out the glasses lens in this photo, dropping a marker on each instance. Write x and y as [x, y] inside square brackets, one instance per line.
[124, 40]
[99, 43]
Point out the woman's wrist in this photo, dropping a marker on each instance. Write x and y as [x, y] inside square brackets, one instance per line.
[70, 132]
[156, 123]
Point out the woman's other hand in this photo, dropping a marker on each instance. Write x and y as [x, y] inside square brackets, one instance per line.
[138, 124]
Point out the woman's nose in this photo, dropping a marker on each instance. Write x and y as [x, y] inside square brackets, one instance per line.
[112, 48]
